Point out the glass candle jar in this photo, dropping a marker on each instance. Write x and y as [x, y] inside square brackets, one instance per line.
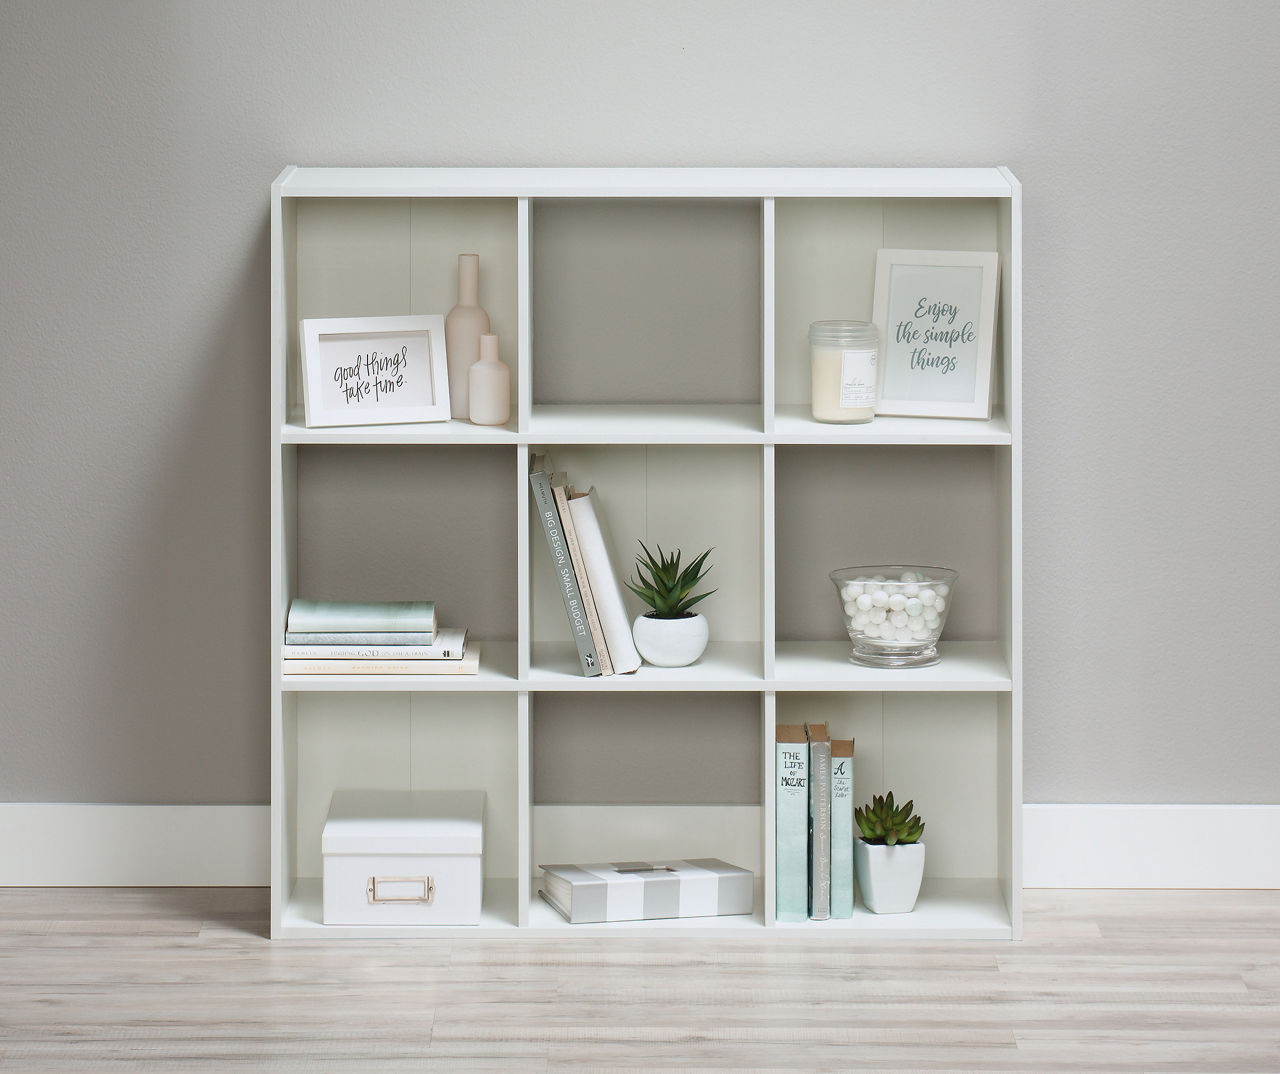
[844, 368]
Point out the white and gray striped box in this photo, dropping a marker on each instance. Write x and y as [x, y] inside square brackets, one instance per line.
[644, 890]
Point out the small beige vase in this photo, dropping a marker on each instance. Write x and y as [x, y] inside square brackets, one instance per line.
[463, 327]
[489, 384]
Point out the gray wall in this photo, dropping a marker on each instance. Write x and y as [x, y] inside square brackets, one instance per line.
[137, 144]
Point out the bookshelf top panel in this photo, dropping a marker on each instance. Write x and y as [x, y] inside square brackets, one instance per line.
[295, 182]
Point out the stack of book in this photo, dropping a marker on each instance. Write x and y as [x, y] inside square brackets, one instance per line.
[814, 801]
[330, 637]
[585, 576]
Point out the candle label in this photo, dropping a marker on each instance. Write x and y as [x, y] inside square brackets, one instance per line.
[858, 378]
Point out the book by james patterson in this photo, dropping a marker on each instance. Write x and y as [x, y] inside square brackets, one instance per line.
[819, 821]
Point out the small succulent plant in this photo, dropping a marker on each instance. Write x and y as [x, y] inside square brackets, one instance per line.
[883, 824]
[666, 588]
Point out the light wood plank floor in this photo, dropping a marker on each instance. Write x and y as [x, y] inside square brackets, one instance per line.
[185, 980]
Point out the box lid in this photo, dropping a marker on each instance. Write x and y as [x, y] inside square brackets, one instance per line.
[404, 822]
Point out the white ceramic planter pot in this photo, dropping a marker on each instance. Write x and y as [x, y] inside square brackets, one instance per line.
[671, 643]
[889, 877]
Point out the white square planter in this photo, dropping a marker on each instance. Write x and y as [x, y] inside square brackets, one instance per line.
[889, 877]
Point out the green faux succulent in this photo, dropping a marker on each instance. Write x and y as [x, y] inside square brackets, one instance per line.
[664, 586]
[884, 825]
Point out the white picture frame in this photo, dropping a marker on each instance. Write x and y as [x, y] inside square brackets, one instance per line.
[935, 311]
[374, 370]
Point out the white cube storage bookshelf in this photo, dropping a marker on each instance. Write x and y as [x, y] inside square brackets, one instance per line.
[655, 325]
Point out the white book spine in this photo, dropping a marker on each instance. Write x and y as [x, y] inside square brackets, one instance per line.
[562, 492]
[605, 583]
[449, 645]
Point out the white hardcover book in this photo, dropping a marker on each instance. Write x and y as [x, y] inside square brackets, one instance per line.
[605, 584]
[450, 644]
[561, 490]
[468, 665]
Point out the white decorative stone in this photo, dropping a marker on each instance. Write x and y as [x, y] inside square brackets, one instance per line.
[897, 602]
[864, 602]
[880, 599]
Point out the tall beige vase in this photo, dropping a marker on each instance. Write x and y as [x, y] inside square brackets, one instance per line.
[490, 385]
[463, 327]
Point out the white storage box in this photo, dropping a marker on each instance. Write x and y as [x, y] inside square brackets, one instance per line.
[403, 858]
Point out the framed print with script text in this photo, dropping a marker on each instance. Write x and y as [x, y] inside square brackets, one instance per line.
[935, 311]
[374, 370]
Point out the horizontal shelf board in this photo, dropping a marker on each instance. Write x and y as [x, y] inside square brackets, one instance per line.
[724, 666]
[644, 182]
[795, 425]
[713, 423]
[497, 672]
[295, 431]
[824, 665]
[303, 916]
[946, 909]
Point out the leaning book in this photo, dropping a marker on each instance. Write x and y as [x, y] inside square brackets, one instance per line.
[647, 890]
[544, 506]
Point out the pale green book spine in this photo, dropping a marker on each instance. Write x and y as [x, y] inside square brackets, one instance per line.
[792, 814]
[841, 827]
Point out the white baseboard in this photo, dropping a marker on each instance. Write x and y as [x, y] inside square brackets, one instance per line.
[1150, 846]
[60, 844]
[73, 844]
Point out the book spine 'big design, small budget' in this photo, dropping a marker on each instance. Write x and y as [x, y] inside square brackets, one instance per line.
[545, 504]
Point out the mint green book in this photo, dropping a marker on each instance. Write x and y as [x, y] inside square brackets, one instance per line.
[842, 827]
[355, 617]
[791, 776]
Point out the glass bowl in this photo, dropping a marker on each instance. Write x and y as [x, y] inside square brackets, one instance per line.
[894, 614]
